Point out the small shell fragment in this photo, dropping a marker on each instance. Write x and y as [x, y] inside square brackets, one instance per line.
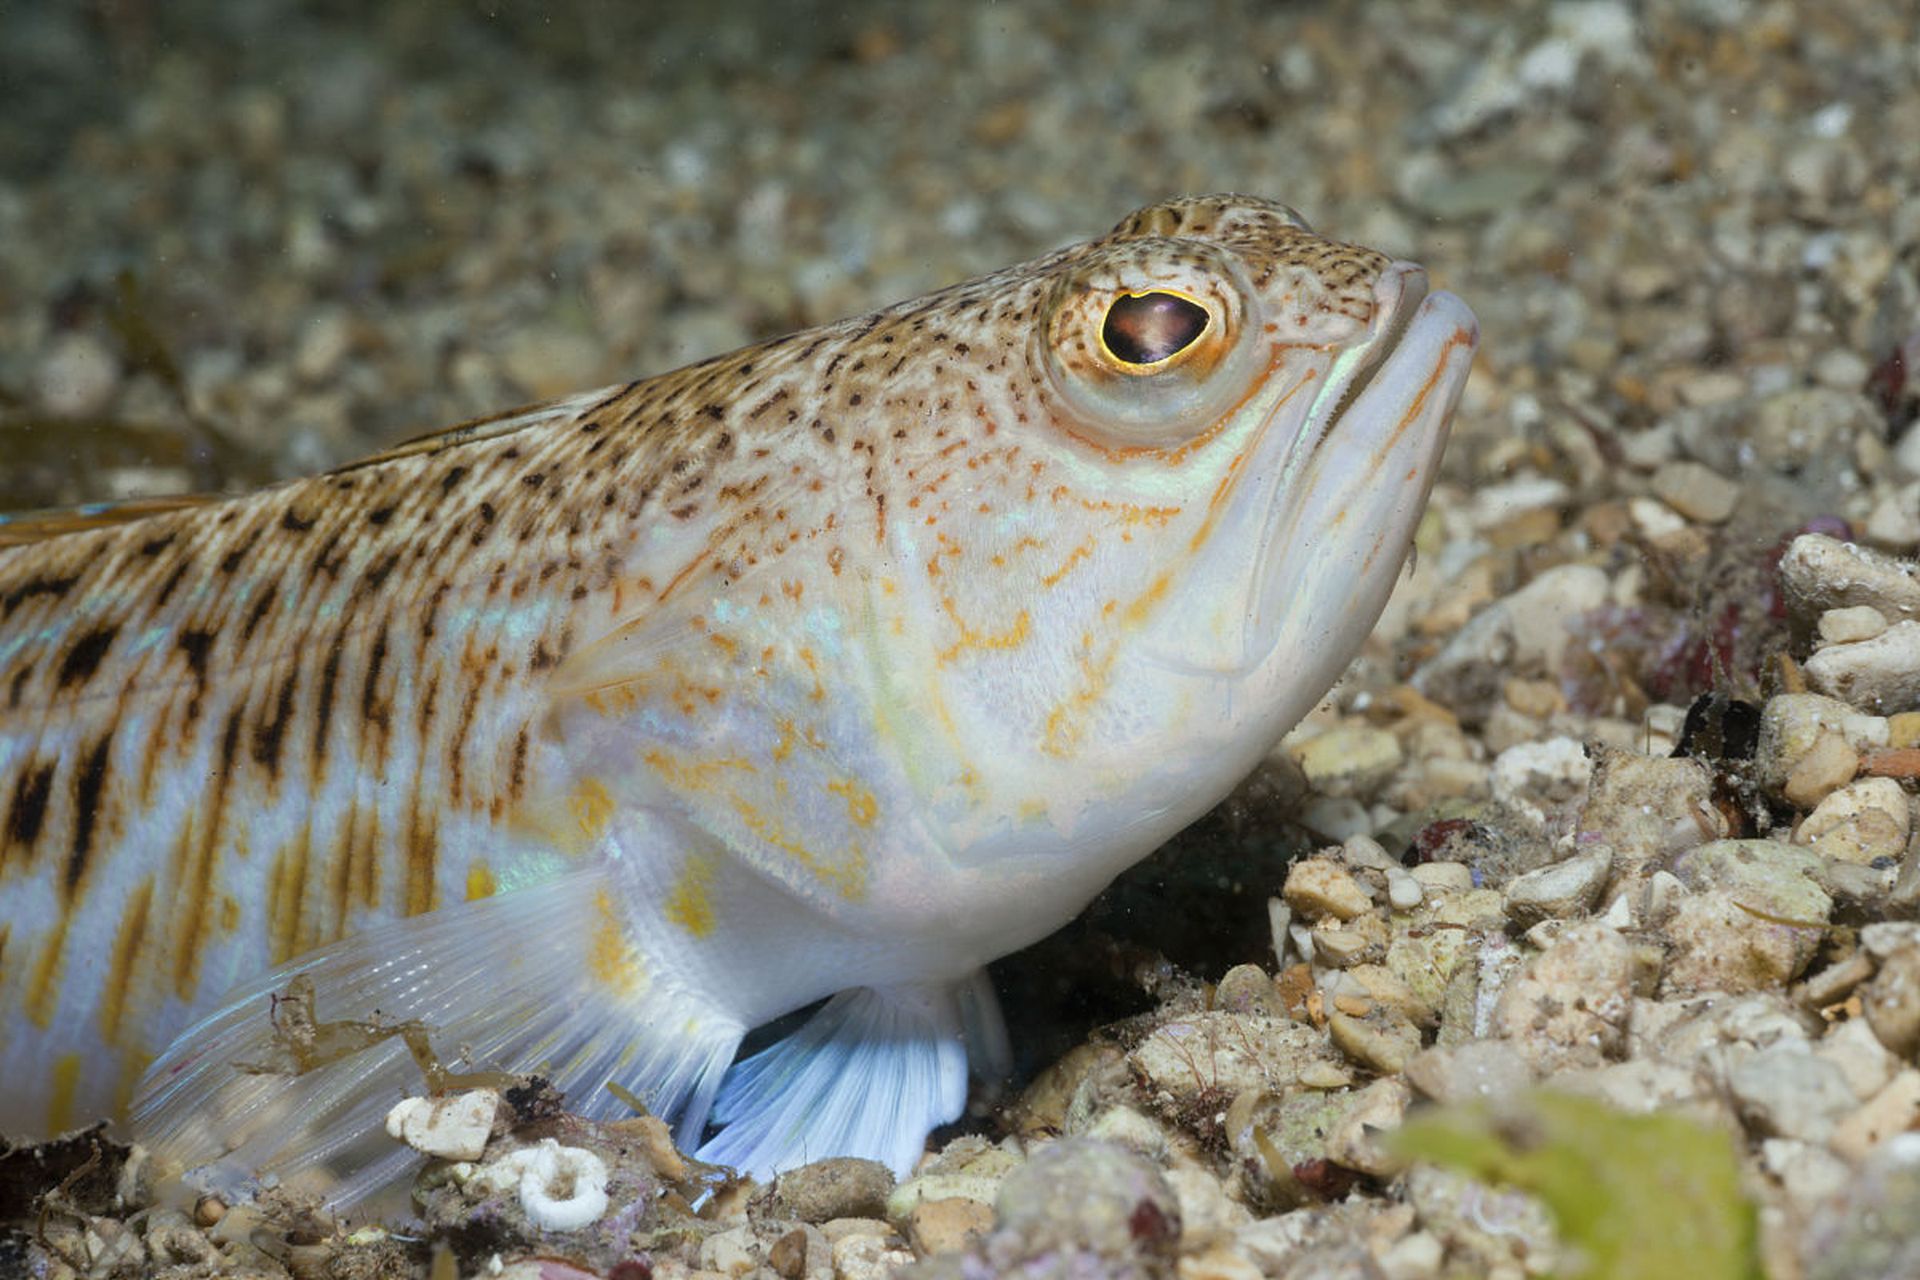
[561, 1188]
[454, 1128]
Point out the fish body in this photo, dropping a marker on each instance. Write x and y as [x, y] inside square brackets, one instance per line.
[598, 734]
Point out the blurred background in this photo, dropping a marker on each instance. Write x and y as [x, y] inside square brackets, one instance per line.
[244, 241]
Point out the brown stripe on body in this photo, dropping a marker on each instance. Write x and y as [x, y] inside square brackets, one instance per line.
[423, 853]
[127, 945]
[89, 797]
[200, 842]
[26, 812]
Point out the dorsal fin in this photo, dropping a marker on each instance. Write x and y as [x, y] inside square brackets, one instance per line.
[38, 526]
[491, 427]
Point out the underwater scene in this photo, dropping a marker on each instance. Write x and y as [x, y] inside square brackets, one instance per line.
[1196, 642]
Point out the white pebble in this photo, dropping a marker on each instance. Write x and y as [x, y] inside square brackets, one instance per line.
[1403, 891]
[453, 1128]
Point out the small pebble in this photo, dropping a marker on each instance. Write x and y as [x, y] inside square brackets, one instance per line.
[944, 1226]
[78, 376]
[1829, 764]
[1696, 492]
[450, 1128]
[1881, 674]
[1859, 822]
[1320, 887]
[1404, 891]
[841, 1187]
[1859, 622]
[1561, 891]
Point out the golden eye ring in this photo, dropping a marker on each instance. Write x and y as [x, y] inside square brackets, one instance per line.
[1144, 332]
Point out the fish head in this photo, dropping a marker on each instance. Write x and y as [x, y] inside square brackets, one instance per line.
[944, 614]
[1231, 430]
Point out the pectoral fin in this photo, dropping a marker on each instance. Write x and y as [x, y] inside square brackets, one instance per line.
[868, 1075]
[293, 1076]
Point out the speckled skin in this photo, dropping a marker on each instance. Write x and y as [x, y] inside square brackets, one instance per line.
[869, 653]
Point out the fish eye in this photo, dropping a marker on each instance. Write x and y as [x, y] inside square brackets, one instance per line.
[1147, 329]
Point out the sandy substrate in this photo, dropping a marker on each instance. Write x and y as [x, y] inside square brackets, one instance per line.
[1620, 797]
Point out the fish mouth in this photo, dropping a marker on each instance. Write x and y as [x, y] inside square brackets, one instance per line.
[1401, 289]
[1363, 463]
[1344, 488]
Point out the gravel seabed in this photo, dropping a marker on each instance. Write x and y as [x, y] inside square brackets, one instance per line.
[239, 243]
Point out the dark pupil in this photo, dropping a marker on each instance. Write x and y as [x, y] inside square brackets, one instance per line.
[1146, 328]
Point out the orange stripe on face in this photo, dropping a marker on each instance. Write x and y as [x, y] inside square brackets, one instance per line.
[1459, 338]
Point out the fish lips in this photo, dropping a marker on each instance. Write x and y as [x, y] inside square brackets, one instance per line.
[1324, 523]
[1367, 458]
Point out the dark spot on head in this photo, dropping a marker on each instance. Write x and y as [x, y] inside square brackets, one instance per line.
[380, 515]
[293, 522]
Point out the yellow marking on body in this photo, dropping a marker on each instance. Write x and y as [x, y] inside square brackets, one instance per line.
[1012, 638]
[849, 876]
[480, 882]
[120, 966]
[66, 1082]
[229, 913]
[1130, 513]
[819, 691]
[690, 904]
[698, 776]
[784, 748]
[43, 994]
[610, 956]
[1074, 557]
[1066, 722]
[133, 1065]
[1141, 605]
[861, 806]
[592, 809]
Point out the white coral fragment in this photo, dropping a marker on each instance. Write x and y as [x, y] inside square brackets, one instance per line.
[453, 1128]
[561, 1188]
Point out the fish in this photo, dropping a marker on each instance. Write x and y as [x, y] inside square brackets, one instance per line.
[593, 736]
